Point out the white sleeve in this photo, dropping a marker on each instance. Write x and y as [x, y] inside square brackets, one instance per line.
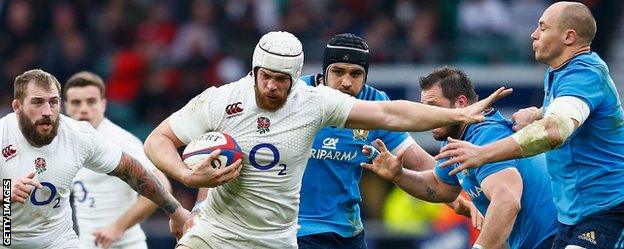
[569, 107]
[336, 106]
[189, 122]
[102, 155]
[403, 145]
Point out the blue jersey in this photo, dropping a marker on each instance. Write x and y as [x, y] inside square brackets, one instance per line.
[330, 194]
[536, 220]
[588, 169]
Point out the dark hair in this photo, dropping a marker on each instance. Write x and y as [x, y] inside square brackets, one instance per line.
[38, 77]
[83, 79]
[453, 83]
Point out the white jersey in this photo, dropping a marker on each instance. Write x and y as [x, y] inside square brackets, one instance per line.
[101, 199]
[264, 199]
[46, 217]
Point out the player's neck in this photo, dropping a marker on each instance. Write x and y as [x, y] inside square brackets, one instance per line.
[567, 55]
[97, 123]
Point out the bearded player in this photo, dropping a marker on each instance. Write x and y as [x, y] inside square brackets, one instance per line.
[278, 118]
[47, 151]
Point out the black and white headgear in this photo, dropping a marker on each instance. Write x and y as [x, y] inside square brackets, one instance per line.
[346, 48]
[279, 51]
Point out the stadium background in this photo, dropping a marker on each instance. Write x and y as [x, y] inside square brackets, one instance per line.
[156, 55]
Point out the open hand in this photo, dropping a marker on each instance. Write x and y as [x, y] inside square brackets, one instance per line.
[386, 165]
[474, 113]
[466, 154]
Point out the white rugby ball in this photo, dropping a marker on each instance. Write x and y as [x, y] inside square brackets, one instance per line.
[201, 146]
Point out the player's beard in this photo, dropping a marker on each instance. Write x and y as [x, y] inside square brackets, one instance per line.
[29, 130]
[267, 103]
[453, 131]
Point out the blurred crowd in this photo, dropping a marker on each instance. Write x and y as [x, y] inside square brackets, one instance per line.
[157, 54]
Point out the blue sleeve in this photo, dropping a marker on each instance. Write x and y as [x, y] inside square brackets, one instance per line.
[392, 139]
[308, 79]
[487, 133]
[443, 174]
[583, 83]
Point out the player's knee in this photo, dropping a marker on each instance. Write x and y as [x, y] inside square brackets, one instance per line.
[182, 247]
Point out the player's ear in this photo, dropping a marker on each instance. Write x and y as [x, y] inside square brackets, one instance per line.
[16, 104]
[461, 101]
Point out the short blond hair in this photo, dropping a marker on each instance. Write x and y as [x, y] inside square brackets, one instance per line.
[85, 78]
[578, 17]
[39, 77]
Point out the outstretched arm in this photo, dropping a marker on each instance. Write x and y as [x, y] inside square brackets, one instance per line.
[563, 117]
[415, 158]
[411, 116]
[423, 185]
[145, 183]
[137, 213]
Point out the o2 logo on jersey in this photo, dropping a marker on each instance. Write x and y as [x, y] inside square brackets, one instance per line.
[81, 194]
[263, 151]
[40, 199]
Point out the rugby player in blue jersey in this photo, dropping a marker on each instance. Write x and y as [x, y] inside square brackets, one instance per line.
[329, 212]
[580, 126]
[514, 195]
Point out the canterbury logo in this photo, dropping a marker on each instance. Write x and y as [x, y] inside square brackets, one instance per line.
[589, 236]
[9, 151]
[233, 109]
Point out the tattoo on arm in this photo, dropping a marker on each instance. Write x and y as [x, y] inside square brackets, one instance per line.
[145, 183]
[431, 193]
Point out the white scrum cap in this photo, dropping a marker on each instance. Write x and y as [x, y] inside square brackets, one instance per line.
[279, 51]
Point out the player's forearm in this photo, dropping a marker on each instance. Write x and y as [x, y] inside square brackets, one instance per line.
[411, 116]
[142, 208]
[163, 153]
[417, 159]
[137, 213]
[424, 186]
[502, 150]
[498, 223]
[145, 183]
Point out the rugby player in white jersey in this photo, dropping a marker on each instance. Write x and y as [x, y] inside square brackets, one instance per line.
[108, 211]
[46, 152]
[274, 117]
